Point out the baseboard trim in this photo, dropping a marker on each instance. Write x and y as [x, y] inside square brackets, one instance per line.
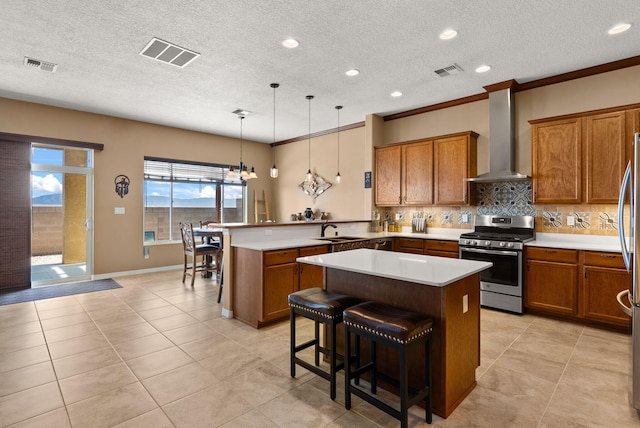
[136, 272]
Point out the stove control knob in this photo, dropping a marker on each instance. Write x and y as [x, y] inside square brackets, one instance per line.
[474, 242]
[502, 244]
[510, 245]
[465, 242]
[487, 243]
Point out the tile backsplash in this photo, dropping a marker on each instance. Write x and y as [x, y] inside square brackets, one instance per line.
[514, 198]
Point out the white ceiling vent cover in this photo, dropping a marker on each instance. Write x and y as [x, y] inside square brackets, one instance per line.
[168, 53]
[449, 70]
[42, 65]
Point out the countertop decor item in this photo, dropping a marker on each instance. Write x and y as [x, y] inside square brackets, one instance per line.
[308, 214]
[314, 187]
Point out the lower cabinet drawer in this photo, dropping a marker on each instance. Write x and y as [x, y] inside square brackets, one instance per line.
[280, 256]
[552, 255]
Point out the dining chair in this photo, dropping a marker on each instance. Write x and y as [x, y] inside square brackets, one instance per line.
[210, 254]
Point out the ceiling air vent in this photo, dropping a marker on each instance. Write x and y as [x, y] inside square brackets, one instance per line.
[168, 53]
[449, 70]
[42, 65]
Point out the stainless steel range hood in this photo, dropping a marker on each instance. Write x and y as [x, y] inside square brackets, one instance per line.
[502, 142]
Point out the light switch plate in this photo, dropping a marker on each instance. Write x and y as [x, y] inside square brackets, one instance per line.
[465, 303]
[571, 220]
[118, 210]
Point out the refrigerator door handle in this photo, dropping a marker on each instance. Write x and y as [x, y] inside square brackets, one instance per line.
[621, 295]
[626, 183]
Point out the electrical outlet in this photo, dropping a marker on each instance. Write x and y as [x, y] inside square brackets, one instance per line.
[118, 210]
[268, 232]
[465, 303]
[465, 218]
[571, 220]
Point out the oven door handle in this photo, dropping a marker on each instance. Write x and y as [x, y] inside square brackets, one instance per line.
[497, 253]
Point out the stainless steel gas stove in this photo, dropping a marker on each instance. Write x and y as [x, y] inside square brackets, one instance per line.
[499, 240]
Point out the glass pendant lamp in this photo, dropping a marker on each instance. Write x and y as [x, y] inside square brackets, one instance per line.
[309, 175]
[338, 177]
[274, 169]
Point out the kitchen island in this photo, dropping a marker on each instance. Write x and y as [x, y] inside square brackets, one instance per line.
[447, 290]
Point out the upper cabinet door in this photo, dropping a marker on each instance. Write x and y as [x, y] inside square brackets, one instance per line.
[454, 162]
[556, 159]
[606, 154]
[417, 175]
[387, 176]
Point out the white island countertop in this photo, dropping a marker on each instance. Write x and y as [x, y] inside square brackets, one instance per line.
[428, 270]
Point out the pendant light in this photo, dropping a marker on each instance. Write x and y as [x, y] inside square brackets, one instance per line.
[309, 175]
[242, 172]
[338, 178]
[274, 170]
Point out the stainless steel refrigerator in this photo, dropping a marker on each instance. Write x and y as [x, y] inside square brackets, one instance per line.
[629, 300]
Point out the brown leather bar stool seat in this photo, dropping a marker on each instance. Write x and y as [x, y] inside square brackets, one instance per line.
[324, 307]
[395, 328]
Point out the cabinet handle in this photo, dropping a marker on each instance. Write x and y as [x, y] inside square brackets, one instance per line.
[607, 256]
[549, 251]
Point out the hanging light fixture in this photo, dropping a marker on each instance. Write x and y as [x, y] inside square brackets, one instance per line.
[338, 178]
[309, 175]
[274, 170]
[242, 172]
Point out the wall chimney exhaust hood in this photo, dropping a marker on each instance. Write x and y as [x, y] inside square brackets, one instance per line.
[502, 141]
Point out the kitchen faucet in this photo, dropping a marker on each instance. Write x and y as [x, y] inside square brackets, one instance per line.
[324, 227]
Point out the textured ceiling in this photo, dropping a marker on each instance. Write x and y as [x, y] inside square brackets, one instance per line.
[394, 44]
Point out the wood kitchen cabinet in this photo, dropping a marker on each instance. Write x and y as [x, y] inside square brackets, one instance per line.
[426, 172]
[551, 280]
[440, 248]
[556, 161]
[310, 276]
[263, 281]
[603, 277]
[579, 158]
[454, 160]
[580, 285]
[408, 245]
[404, 174]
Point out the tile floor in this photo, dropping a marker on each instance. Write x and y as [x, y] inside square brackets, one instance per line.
[158, 354]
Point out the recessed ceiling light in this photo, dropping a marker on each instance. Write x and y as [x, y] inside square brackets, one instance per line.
[448, 34]
[620, 28]
[396, 94]
[290, 43]
[352, 72]
[241, 112]
[483, 69]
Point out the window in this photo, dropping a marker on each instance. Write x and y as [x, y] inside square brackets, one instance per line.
[184, 192]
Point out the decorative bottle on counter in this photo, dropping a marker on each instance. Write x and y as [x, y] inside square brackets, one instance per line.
[308, 214]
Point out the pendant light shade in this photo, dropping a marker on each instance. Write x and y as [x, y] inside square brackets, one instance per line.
[309, 175]
[338, 177]
[274, 169]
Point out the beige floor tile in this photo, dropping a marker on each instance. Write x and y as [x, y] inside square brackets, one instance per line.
[94, 382]
[29, 403]
[204, 348]
[545, 343]
[24, 357]
[178, 383]
[77, 345]
[252, 419]
[153, 303]
[111, 408]
[70, 332]
[129, 332]
[159, 362]
[161, 312]
[530, 365]
[61, 311]
[207, 313]
[234, 329]
[56, 418]
[24, 341]
[19, 330]
[58, 302]
[598, 352]
[110, 313]
[122, 319]
[231, 359]
[189, 333]
[26, 377]
[142, 346]
[173, 322]
[153, 419]
[210, 407]
[85, 361]
[262, 384]
[64, 321]
[303, 406]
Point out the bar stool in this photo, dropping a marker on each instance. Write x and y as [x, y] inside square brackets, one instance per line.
[395, 328]
[325, 307]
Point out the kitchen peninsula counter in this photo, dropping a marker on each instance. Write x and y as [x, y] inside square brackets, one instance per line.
[447, 290]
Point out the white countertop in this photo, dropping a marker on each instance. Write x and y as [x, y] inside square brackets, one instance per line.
[428, 270]
[576, 242]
